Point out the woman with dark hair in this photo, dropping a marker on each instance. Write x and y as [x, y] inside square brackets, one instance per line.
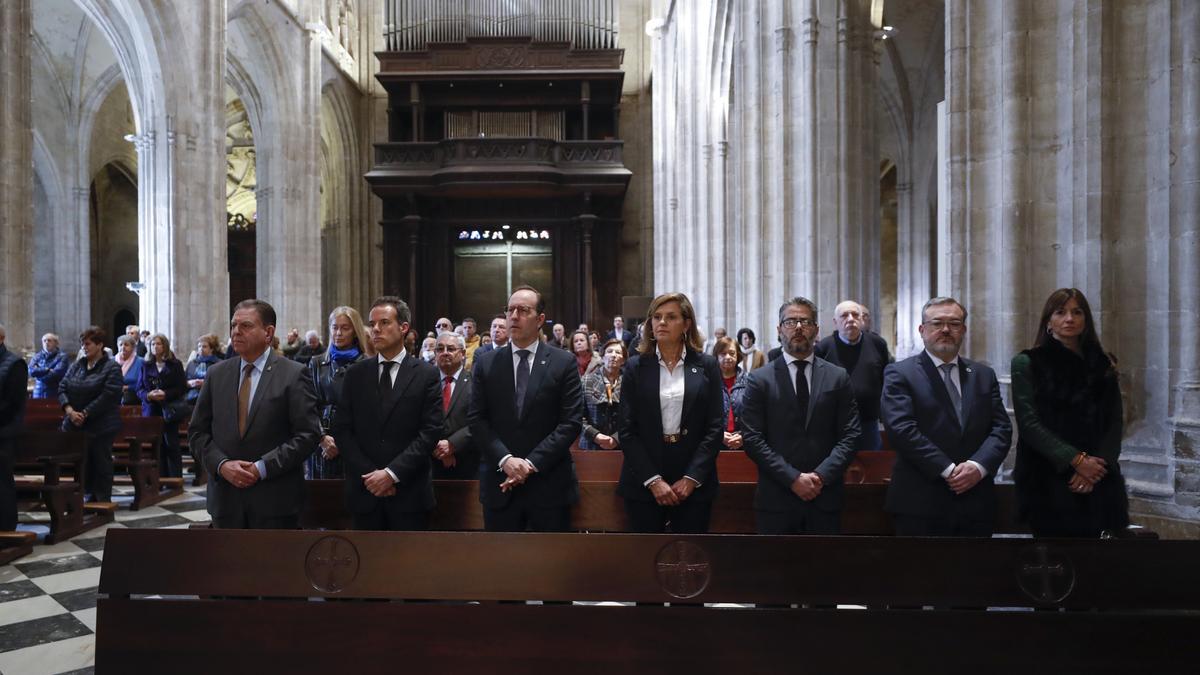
[162, 388]
[348, 344]
[585, 359]
[729, 354]
[1068, 407]
[752, 356]
[90, 396]
[602, 398]
[670, 423]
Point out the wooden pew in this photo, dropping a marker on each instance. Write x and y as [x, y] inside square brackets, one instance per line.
[600, 509]
[16, 544]
[44, 459]
[135, 449]
[1130, 605]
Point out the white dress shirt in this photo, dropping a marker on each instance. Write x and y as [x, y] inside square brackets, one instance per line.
[516, 360]
[808, 371]
[954, 377]
[670, 402]
[397, 359]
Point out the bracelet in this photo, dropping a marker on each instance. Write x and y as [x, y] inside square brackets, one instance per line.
[1079, 459]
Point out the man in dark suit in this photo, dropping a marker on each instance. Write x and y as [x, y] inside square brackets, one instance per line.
[499, 334]
[14, 376]
[618, 332]
[454, 455]
[386, 424]
[254, 424]
[801, 428]
[526, 410]
[863, 355]
[948, 426]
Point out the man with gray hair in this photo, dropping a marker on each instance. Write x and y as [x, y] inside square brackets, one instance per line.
[48, 368]
[948, 426]
[454, 455]
[13, 376]
[800, 426]
[863, 355]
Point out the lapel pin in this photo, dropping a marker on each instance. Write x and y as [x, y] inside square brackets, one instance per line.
[968, 369]
[694, 371]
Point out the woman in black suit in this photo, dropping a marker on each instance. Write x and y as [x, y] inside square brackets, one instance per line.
[670, 423]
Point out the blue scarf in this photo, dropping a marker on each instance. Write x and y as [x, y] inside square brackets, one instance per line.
[343, 356]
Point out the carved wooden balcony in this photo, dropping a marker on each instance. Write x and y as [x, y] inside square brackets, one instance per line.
[530, 166]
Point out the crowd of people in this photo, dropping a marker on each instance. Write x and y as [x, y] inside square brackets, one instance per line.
[387, 415]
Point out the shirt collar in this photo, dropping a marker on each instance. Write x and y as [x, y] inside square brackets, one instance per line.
[938, 363]
[457, 374]
[845, 342]
[260, 363]
[396, 359]
[532, 348]
[791, 359]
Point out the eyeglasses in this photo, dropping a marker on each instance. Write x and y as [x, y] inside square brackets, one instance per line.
[791, 324]
[954, 325]
[522, 310]
[445, 348]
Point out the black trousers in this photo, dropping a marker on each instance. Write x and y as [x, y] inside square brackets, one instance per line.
[690, 517]
[170, 456]
[519, 516]
[98, 475]
[383, 518]
[247, 521]
[8, 487]
[804, 519]
[942, 526]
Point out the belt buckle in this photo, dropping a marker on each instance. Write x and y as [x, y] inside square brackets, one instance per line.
[670, 438]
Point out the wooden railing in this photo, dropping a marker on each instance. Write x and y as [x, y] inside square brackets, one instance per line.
[473, 151]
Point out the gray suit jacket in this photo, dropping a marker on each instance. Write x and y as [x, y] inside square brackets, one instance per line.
[282, 430]
[784, 445]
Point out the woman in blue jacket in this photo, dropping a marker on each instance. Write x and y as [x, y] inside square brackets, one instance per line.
[162, 387]
[48, 368]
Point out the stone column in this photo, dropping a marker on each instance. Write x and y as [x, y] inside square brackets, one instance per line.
[1072, 161]
[791, 208]
[16, 167]
[289, 228]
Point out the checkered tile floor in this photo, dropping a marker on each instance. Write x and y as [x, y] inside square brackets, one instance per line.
[48, 598]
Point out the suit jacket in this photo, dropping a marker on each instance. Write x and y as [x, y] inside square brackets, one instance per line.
[925, 433]
[281, 429]
[456, 430]
[784, 445]
[625, 336]
[396, 432]
[867, 377]
[700, 428]
[550, 420]
[774, 353]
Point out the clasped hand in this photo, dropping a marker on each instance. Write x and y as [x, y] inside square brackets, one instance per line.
[963, 477]
[807, 486]
[444, 452]
[239, 473]
[517, 471]
[379, 483]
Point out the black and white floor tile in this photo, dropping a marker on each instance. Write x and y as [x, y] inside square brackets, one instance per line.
[48, 598]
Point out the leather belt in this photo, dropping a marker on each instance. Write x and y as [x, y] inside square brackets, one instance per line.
[671, 439]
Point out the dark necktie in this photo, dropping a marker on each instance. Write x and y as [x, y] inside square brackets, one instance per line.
[446, 393]
[955, 396]
[244, 399]
[802, 391]
[385, 380]
[522, 378]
